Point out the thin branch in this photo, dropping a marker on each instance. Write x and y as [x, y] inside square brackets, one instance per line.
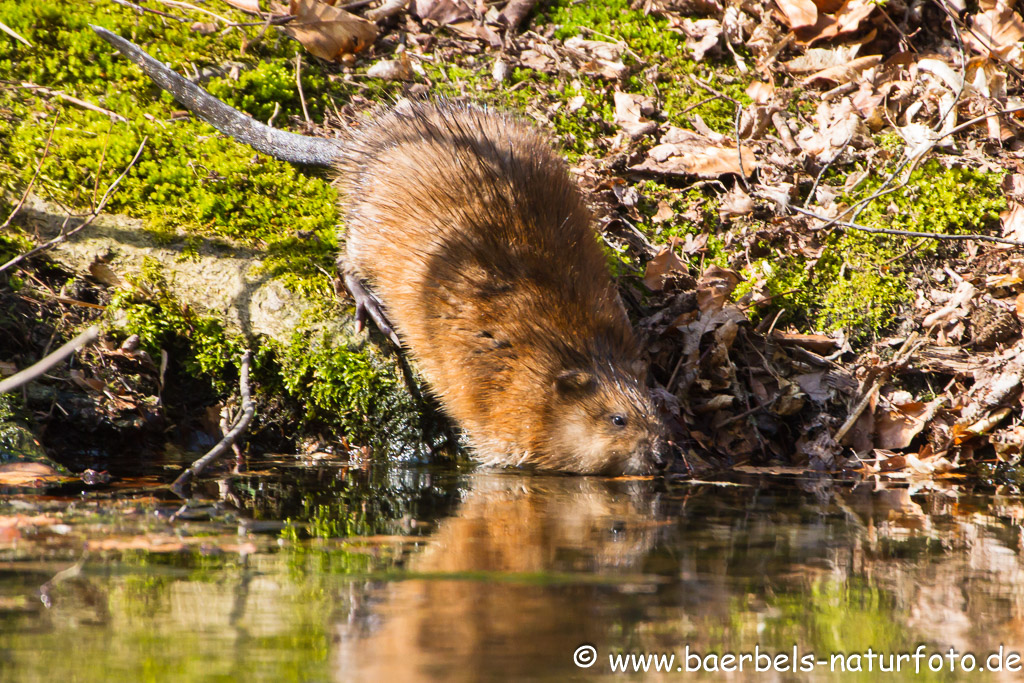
[298, 83]
[86, 223]
[884, 189]
[13, 34]
[828, 165]
[37, 370]
[185, 5]
[140, 9]
[248, 410]
[73, 100]
[31, 183]
[910, 345]
[908, 233]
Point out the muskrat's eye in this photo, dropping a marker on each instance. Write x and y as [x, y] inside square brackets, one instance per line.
[619, 420]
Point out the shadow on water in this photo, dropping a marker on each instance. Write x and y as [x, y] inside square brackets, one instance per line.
[321, 571]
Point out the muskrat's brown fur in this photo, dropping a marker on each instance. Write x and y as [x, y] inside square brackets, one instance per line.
[470, 231]
[467, 227]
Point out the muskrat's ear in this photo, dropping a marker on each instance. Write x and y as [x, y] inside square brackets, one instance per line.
[575, 382]
[639, 368]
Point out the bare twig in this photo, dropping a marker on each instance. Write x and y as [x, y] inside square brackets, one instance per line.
[909, 347]
[713, 91]
[86, 223]
[248, 410]
[908, 233]
[31, 183]
[298, 84]
[37, 370]
[185, 5]
[140, 9]
[13, 34]
[885, 188]
[828, 165]
[739, 146]
[73, 100]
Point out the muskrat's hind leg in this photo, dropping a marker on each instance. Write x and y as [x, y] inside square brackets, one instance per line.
[368, 304]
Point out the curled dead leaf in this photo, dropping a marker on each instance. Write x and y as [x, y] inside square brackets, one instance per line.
[631, 111]
[661, 266]
[328, 32]
[714, 288]
[798, 13]
[686, 153]
[393, 69]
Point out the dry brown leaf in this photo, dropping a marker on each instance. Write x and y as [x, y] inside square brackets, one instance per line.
[443, 11]
[470, 29]
[837, 126]
[997, 31]
[664, 213]
[714, 288]
[687, 153]
[1013, 221]
[703, 34]
[819, 58]
[393, 69]
[761, 92]
[661, 266]
[852, 13]
[532, 59]
[798, 13]
[735, 202]
[896, 428]
[596, 49]
[27, 474]
[844, 73]
[630, 113]
[812, 384]
[105, 274]
[328, 32]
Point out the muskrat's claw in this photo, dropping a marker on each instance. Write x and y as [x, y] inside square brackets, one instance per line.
[368, 304]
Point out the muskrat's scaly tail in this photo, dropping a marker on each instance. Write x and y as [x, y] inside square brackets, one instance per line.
[295, 149]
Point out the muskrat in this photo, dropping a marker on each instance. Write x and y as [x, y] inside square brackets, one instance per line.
[477, 253]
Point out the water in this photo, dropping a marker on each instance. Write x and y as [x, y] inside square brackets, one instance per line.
[306, 570]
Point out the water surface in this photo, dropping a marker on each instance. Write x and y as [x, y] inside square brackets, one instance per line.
[312, 570]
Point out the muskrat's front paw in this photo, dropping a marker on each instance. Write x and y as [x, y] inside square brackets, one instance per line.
[368, 304]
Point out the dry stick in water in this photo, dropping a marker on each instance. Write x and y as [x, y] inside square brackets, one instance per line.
[37, 370]
[909, 347]
[248, 409]
[86, 223]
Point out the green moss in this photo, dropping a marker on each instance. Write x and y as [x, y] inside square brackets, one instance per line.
[258, 90]
[936, 199]
[189, 177]
[860, 281]
[344, 383]
[203, 347]
[584, 129]
[11, 244]
[653, 43]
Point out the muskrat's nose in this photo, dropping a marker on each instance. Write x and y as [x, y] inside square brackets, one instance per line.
[661, 454]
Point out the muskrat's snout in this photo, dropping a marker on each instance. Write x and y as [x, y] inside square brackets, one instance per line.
[653, 453]
[661, 454]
